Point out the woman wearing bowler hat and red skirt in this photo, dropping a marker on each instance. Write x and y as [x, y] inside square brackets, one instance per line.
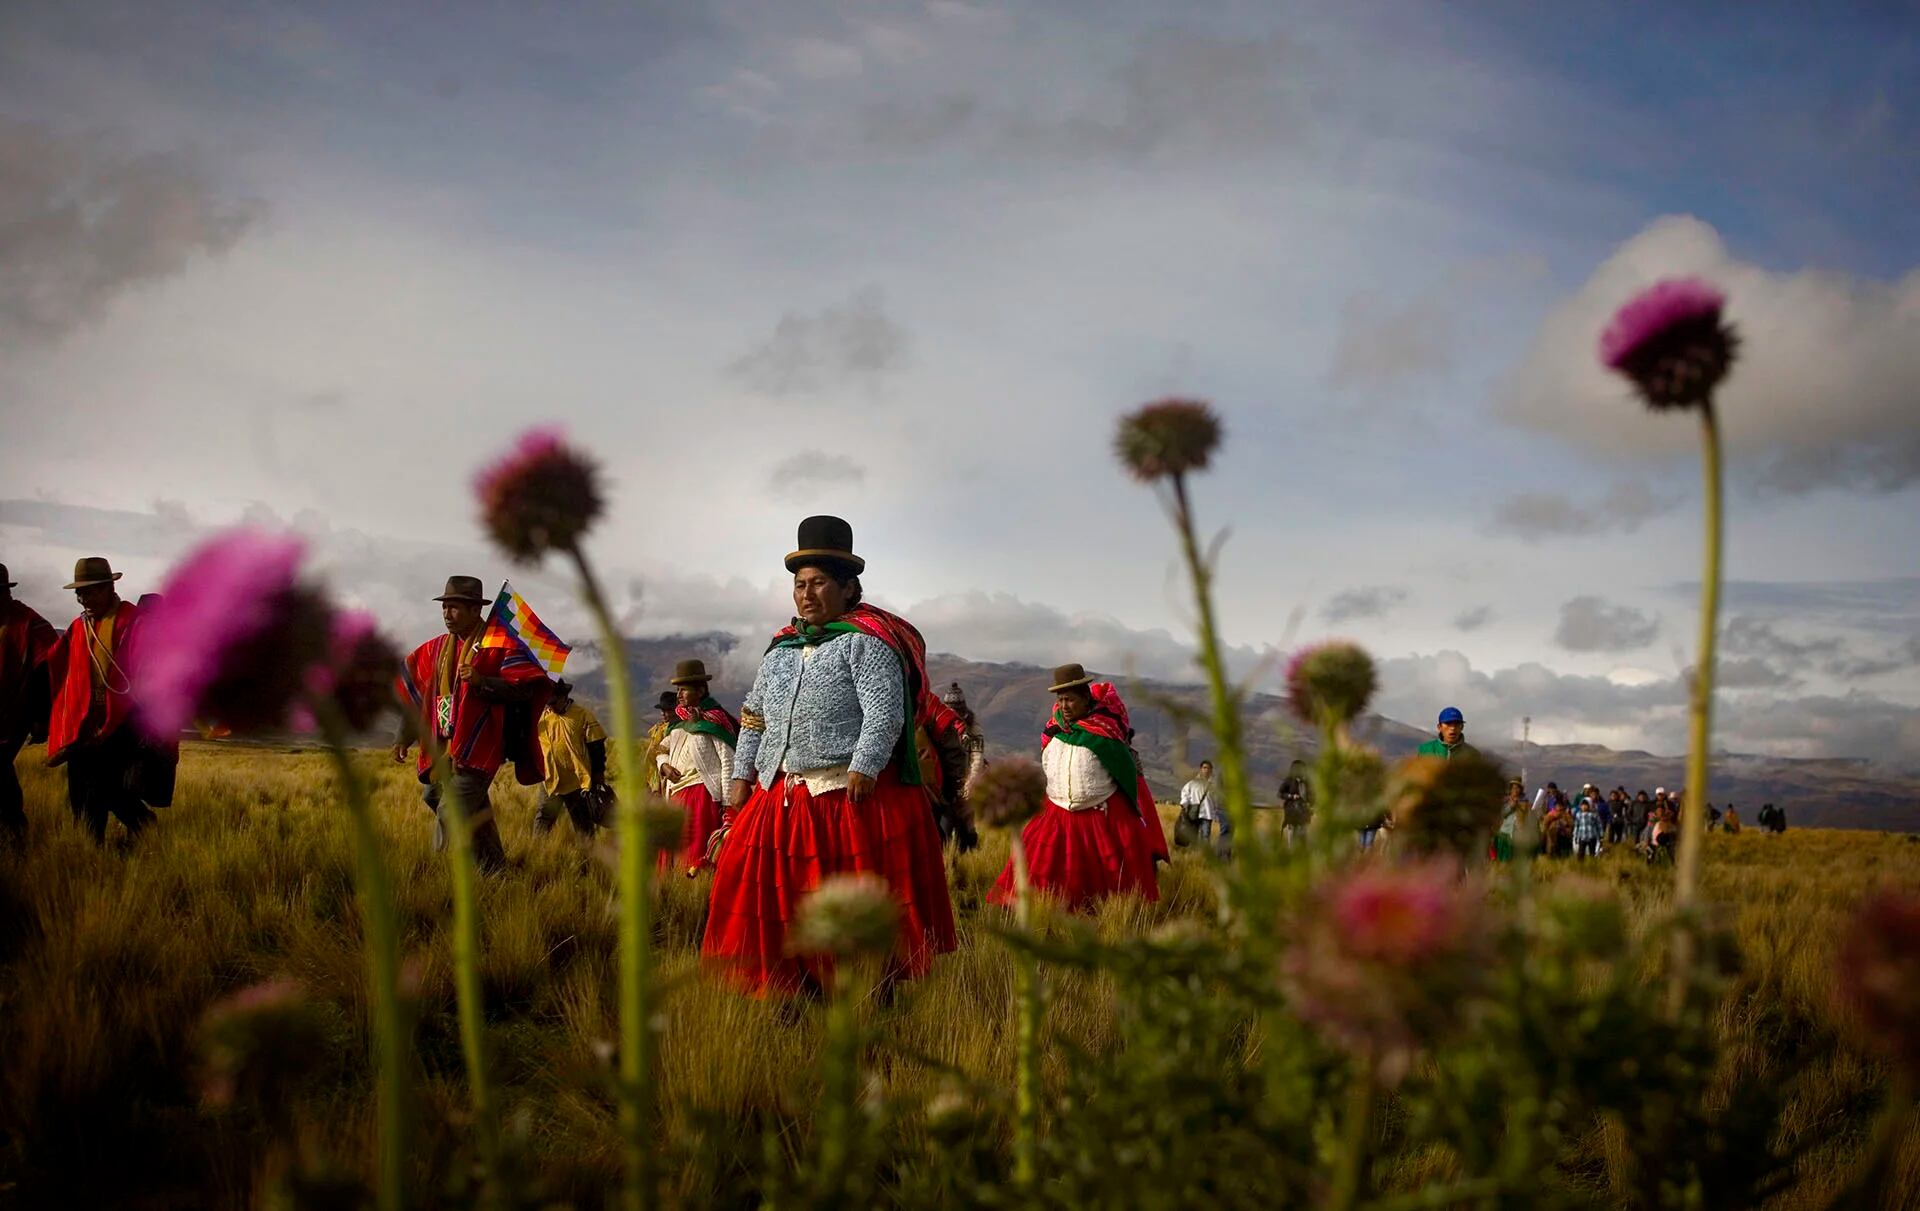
[826, 779]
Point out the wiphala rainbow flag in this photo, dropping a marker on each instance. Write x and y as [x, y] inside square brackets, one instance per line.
[512, 623]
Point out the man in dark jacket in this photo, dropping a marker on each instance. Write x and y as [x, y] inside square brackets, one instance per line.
[25, 640]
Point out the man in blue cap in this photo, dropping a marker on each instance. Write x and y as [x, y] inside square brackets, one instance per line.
[1452, 740]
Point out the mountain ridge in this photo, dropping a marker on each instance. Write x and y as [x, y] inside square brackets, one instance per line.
[1011, 701]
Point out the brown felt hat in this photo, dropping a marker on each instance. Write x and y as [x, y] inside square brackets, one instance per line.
[92, 570]
[463, 588]
[826, 540]
[690, 672]
[11, 584]
[1069, 677]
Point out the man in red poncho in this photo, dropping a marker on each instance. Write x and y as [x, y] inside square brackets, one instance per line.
[483, 705]
[1100, 831]
[90, 729]
[25, 640]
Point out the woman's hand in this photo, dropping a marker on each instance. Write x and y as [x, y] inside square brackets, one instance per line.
[738, 792]
[859, 786]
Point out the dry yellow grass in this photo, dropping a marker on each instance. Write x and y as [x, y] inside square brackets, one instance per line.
[109, 957]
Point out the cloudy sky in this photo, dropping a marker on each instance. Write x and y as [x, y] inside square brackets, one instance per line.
[310, 265]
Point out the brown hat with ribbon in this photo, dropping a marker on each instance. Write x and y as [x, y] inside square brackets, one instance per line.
[91, 571]
[1069, 677]
[463, 588]
[826, 541]
[690, 672]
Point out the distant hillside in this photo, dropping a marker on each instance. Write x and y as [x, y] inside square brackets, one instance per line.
[1011, 701]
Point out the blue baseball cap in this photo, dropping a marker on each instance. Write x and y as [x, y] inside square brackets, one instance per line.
[1452, 715]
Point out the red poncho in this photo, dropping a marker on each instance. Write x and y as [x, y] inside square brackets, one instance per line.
[485, 733]
[25, 640]
[70, 671]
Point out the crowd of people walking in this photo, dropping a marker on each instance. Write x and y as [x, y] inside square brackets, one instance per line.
[842, 760]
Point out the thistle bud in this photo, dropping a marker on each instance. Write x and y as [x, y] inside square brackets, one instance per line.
[1330, 683]
[1167, 438]
[1008, 793]
[1445, 805]
[541, 496]
[846, 917]
[1669, 340]
[359, 669]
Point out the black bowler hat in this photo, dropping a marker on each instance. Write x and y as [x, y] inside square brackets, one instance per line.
[463, 588]
[668, 700]
[11, 584]
[1069, 677]
[826, 541]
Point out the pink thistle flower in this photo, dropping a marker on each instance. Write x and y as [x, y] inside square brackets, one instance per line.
[1169, 437]
[358, 671]
[256, 1043]
[540, 496]
[1403, 915]
[1879, 973]
[232, 639]
[1008, 793]
[1385, 956]
[1669, 340]
[1330, 682]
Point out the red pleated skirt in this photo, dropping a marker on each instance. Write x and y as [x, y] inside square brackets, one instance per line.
[703, 817]
[1079, 858]
[786, 840]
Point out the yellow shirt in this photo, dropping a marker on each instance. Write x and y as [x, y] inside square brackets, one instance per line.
[564, 740]
[101, 653]
[656, 743]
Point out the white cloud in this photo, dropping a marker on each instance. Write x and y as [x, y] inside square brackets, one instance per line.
[1823, 391]
[824, 59]
[83, 219]
[1623, 508]
[1588, 624]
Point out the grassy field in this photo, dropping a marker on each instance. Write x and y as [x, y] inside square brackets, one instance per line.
[110, 957]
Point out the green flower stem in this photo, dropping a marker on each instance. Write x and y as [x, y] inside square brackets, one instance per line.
[382, 931]
[1026, 976]
[636, 909]
[1693, 815]
[842, 1062]
[1230, 759]
[1345, 1191]
[457, 819]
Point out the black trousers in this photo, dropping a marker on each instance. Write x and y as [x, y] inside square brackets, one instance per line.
[581, 809]
[13, 812]
[469, 787]
[103, 780]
